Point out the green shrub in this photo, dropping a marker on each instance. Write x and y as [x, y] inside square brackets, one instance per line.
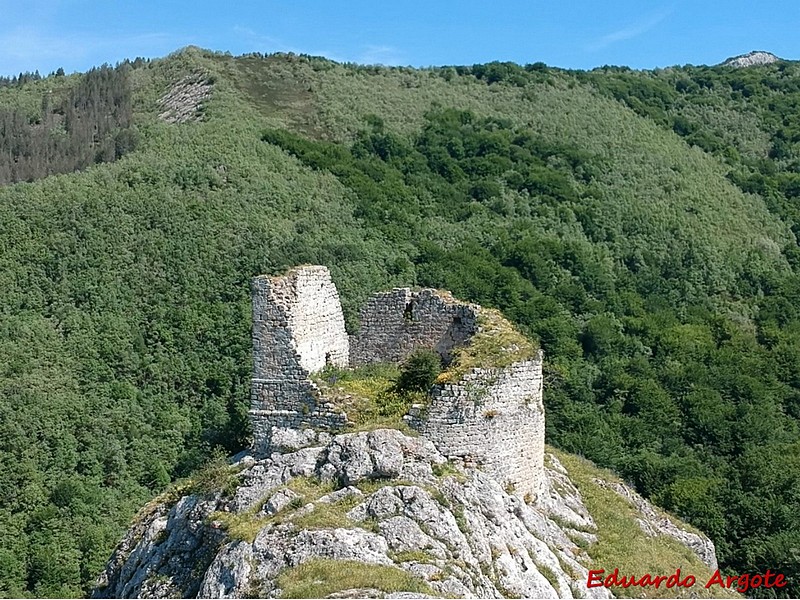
[419, 372]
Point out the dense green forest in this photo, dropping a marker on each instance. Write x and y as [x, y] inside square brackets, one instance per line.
[642, 226]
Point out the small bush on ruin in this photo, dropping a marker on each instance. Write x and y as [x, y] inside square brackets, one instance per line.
[419, 372]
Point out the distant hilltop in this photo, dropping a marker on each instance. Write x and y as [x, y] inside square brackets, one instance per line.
[751, 59]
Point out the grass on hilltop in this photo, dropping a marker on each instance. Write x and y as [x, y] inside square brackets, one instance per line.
[496, 345]
[321, 577]
[368, 395]
[622, 544]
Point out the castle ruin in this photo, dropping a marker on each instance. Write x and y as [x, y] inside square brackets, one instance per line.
[490, 416]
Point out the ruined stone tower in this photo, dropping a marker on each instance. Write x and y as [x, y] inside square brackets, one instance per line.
[298, 328]
[489, 415]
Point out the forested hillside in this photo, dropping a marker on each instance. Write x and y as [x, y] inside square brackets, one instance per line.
[53, 126]
[640, 225]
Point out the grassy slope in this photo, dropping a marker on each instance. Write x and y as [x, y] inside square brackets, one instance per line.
[622, 544]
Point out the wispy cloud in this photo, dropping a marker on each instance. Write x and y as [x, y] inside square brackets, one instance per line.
[368, 54]
[270, 43]
[28, 48]
[380, 55]
[631, 31]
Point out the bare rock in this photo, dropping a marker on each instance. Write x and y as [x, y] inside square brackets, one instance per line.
[463, 536]
[339, 495]
[751, 59]
[286, 439]
[183, 102]
[357, 593]
[379, 454]
[405, 535]
[280, 500]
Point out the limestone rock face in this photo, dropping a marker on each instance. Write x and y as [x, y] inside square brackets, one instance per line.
[183, 102]
[751, 59]
[378, 498]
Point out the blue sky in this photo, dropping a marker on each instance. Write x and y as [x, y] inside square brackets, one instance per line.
[78, 34]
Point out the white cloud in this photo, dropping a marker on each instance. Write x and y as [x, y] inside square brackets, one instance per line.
[626, 33]
[369, 54]
[270, 44]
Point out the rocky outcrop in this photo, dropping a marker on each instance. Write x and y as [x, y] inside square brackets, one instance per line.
[378, 498]
[183, 102]
[751, 59]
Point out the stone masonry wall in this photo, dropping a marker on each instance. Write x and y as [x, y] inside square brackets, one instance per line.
[395, 323]
[492, 418]
[303, 309]
[298, 328]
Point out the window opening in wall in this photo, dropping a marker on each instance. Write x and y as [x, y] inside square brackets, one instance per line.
[408, 313]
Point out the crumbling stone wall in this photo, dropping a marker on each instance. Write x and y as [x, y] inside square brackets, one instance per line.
[491, 418]
[297, 320]
[298, 328]
[395, 323]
